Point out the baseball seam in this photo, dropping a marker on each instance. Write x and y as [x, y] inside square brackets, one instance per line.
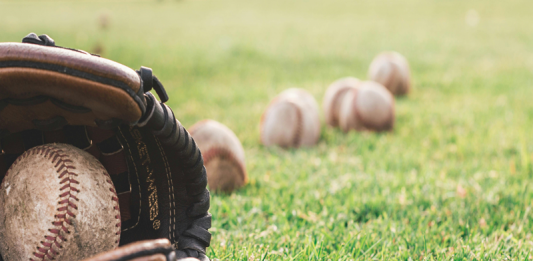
[337, 98]
[262, 121]
[399, 76]
[51, 246]
[405, 79]
[66, 208]
[334, 114]
[297, 138]
[226, 154]
[359, 125]
[114, 197]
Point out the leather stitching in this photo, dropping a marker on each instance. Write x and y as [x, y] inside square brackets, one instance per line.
[172, 219]
[76, 73]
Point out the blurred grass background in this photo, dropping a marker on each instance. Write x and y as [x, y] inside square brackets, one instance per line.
[452, 181]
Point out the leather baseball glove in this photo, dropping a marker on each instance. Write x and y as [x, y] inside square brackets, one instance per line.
[51, 94]
[149, 250]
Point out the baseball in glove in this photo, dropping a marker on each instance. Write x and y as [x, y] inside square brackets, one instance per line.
[51, 94]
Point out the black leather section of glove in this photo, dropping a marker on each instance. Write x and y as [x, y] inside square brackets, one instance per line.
[171, 191]
[190, 181]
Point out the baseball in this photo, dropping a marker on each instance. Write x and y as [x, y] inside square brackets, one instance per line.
[333, 97]
[391, 70]
[291, 120]
[57, 202]
[223, 155]
[369, 107]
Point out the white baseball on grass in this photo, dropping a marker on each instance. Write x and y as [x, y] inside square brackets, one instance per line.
[57, 202]
[333, 97]
[291, 120]
[391, 69]
[368, 107]
[223, 155]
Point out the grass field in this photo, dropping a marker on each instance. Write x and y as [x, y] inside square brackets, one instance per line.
[451, 182]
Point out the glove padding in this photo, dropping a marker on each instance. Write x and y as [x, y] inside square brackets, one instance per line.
[149, 250]
[51, 94]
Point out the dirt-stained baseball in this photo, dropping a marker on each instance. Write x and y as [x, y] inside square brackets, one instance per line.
[223, 155]
[57, 202]
[291, 120]
[333, 97]
[391, 70]
[368, 107]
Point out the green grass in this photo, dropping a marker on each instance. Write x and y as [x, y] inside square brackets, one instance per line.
[393, 196]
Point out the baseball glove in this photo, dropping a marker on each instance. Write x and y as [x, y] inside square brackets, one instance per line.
[148, 250]
[51, 94]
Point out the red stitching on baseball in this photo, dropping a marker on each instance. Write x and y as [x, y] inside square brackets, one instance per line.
[117, 208]
[46, 249]
[60, 168]
[337, 98]
[53, 154]
[297, 137]
[55, 157]
[358, 119]
[227, 155]
[65, 172]
[115, 198]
